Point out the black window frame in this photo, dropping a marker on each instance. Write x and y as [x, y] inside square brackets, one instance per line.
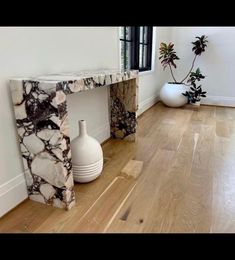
[135, 47]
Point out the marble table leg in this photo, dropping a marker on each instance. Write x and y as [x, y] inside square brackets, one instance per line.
[123, 121]
[42, 126]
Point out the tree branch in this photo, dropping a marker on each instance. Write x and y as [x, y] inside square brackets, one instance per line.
[172, 73]
[190, 69]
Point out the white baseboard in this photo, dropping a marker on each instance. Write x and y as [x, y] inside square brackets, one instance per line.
[12, 193]
[219, 101]
[102, 133]
[146, 104]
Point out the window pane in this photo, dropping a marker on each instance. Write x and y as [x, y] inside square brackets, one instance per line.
[122, 32]
[128, 33]
[145, 34]
[122, 55]
[128, 55]
[141, 55]
[145, 56]
[141, 34]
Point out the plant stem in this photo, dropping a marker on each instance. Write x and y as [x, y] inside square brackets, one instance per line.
[190, 69]
[187, 84]
[172, 73]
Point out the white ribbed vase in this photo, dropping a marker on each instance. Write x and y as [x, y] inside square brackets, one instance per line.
[87, 156]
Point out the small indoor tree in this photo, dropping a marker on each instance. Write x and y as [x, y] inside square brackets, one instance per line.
[168, 57]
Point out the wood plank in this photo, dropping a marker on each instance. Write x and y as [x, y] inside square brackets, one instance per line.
[99, 215]
[194, 211]
[222, 113]
[139, 203]
[26, 217]
[172, 187]
[223, 205]
[87, 193]
[177, 130]
[223, 129]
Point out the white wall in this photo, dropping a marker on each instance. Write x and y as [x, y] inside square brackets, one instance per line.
[217, 62]
[151, 82]
[33, 51]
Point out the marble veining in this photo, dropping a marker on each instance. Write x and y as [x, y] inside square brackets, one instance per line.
[42, 123]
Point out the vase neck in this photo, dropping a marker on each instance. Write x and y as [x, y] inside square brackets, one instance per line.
[82, 128]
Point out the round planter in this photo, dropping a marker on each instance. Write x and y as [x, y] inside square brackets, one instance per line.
[197, 103]
[87, 156]
[171, 94]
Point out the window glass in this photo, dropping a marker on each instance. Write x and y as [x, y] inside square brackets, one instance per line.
[136, 47]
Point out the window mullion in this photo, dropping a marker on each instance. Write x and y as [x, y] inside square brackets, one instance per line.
[137, 38]
[149, 47]
[125, 65]
[143, 31]
[132, 48]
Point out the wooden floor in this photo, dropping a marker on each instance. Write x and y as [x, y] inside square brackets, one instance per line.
[187, 183]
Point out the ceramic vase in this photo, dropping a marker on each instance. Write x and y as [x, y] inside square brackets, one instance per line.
[87, 156]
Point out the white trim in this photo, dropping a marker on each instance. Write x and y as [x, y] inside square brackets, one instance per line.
[146, 104]
[12, 193]
[219, 101]
[147, 72]
[119, 47]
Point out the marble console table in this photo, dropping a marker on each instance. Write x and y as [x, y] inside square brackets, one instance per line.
[42, 124]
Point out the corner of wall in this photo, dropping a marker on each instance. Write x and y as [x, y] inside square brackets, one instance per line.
[147, 103]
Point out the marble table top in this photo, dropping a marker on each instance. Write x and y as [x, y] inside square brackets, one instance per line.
[115, 74]
[71, 82]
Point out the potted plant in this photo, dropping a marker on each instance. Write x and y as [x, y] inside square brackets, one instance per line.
[178, 93]
[195, 93]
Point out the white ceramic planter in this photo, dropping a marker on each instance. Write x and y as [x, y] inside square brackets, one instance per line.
[87, 156]
[171, 95]
[197, 103]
